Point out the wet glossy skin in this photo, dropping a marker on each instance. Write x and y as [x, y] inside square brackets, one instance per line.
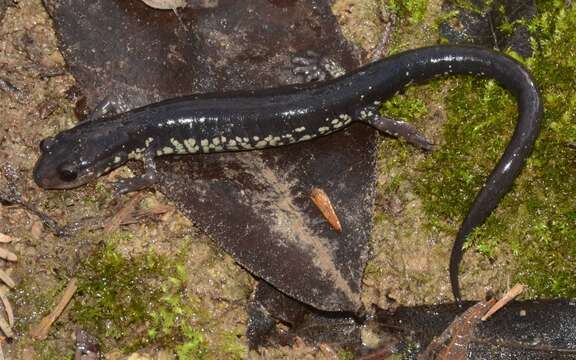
[286, 115]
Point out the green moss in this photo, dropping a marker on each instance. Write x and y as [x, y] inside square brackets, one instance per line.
[475, 137]
[413, 10]
[345, 355]
[48, 350]
[142, 300]
[116, 294]
[537, 220]
[171, 318]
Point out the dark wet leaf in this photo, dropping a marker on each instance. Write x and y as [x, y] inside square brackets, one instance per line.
[255, 205]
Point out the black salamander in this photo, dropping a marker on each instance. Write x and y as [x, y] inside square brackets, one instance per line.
[286, 115]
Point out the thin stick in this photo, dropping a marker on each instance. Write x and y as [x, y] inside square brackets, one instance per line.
[508, 297]
[40, 331]
[123, 213]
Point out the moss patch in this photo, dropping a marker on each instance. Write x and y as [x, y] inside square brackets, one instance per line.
[145, 301]
[533, 230]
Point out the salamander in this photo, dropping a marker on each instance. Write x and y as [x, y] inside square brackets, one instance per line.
[259, 119]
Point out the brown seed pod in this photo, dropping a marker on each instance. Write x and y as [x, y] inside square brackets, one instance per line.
[322, 202]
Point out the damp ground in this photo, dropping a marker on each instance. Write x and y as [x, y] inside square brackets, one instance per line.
[157, 286]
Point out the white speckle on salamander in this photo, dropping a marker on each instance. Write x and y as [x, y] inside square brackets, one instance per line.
[300, 129]
[166, 150]
[204, 142]
[305, 137]
[148, 141]
[275, 141]
[117, 159]
[179, 148]
[261, 144]
[191, 146]
[347, 118]
[183, 121]
[323, 129]
[216, 141]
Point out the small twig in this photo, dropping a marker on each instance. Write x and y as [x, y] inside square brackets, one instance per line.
[8, 87]
[453, 343]
[508, 297]
[40, 331]
[15, 198]
[322, 202]
[381, 50]
[123, 213]
[12, 196]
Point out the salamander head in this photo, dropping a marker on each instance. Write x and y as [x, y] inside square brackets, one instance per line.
[73, 158]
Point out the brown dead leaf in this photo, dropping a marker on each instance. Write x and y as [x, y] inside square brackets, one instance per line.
[5, 239]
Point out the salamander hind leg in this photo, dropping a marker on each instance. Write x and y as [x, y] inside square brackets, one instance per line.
[111, 105]
[394, 127]
[147, 180]
[312, 67]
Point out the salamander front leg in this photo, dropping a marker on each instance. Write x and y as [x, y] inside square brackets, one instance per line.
[147, 180]
[395, 128]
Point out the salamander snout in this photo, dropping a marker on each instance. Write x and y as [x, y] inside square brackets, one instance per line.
[46, 144]
[59, 167]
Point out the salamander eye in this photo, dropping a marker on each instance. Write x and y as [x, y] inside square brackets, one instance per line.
[67, 173]
[46, 144]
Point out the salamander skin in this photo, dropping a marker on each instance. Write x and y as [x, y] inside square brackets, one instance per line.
[286, 115]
